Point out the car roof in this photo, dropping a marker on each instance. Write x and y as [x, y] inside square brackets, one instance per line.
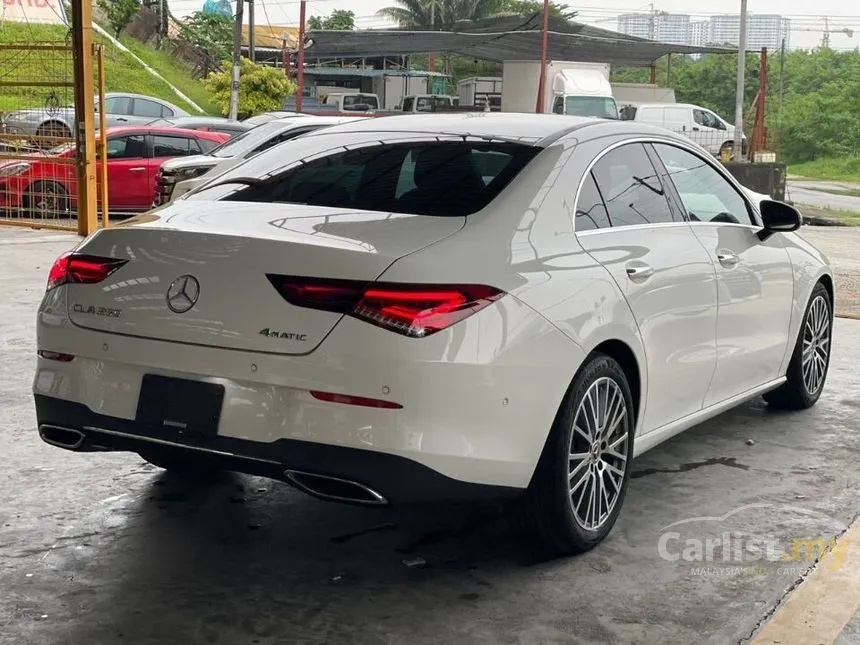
[537, 129]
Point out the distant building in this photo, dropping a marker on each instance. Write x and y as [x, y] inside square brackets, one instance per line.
[666, 27]
[763, 30]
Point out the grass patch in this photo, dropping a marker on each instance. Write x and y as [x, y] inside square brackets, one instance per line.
[122, 72]
[844, 218]
[829, 168]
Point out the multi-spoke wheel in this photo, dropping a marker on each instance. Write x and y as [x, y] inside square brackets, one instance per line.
[807, 370]
[579, 485]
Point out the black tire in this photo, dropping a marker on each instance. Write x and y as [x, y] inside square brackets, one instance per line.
[546, 510]
[796, 393]
[46, 199]
[52, 133]
[186, 466]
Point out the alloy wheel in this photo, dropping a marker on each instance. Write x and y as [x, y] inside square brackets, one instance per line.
[598, 453]
[816, 345]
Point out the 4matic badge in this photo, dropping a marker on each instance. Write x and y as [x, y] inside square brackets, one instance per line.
[288, 335]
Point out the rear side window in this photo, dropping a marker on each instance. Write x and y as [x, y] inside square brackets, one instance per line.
[590, 210]
[424, 178]
[171, 146]
[631, 188]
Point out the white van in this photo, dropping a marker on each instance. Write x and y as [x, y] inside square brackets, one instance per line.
[700, 124]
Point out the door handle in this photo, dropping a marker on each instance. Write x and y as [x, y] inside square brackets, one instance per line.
[138, 169]
[695, 129]
[728, 259]
[640, 272]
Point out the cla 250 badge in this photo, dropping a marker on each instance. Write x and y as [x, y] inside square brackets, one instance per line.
[289, 335]
[92, 310]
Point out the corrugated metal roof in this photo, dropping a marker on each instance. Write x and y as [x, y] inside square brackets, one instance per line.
[499, 39]
[366, 73]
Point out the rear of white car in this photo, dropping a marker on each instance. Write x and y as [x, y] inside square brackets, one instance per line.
[268, 339]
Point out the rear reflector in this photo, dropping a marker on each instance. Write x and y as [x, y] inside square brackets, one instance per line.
[356, 400]
[415, 310]
[56, 356]
[81, 269]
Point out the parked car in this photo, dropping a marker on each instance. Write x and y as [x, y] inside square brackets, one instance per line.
[179, 176]
[121, 108]
[46, 187]
[265, 117]
[207, 123]
[703, 126]
[367, 315]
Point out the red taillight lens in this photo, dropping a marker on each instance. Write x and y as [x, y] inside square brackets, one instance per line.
[360, 401]
[412, 310]
[82, 269]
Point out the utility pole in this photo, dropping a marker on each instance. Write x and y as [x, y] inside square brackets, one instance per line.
[300, 57]
[781, 83]
[739, 96]
[251, 30]
[237, 62]
[544, 42]
[431, 58]
[825, 39]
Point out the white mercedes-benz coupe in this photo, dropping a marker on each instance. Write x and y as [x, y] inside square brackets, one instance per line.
[396, 310]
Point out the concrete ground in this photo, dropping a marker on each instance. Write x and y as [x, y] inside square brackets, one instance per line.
[840, 245]
[823, 194]
[104, 549]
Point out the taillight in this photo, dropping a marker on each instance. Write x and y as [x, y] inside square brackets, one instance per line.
[81, 269]
[415, 310]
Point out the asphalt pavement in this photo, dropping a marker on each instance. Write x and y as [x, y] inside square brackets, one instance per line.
[103, 549]
[823, 194]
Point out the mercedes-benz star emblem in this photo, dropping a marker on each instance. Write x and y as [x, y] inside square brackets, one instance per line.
[182, 293]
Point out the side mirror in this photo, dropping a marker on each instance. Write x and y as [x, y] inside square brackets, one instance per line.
[778, 218]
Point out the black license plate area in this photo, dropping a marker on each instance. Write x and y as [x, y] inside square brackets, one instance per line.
[179, 406]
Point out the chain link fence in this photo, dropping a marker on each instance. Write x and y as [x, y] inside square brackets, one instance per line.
[38, 150]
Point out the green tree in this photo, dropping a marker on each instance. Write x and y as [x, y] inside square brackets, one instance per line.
[530, 7]
[339, 20]
[261, 88]
[119, 13]
[209, 32]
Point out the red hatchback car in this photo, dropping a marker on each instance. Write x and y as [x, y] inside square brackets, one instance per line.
[134, 155]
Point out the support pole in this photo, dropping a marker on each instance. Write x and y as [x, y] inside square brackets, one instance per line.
[85, 136]
[669, 71]
[300, 57]
[237, 62]
[431, 57]
[103, 191]
[739, 92]
[653, 75]
[544, 43]
[285, 55]
[251, 31]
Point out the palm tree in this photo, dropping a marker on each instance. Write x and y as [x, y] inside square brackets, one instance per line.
[438, 14]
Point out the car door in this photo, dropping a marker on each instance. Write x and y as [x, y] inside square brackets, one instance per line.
[755, 278]
[665, 274]
[128, 171]
[117, 110]
[145, 111]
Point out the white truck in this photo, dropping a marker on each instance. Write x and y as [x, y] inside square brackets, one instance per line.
[575, 88]
[478, 91]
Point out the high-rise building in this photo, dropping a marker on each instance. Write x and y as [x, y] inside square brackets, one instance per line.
[635, 24]
[763, 30]
[659, 25]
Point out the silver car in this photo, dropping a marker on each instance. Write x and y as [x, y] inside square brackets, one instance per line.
[121, 108]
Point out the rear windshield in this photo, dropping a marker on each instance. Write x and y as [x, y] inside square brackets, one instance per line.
[423, 178]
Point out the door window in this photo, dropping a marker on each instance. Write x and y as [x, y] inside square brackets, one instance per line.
[708, 119]
[130, 147]
[171, 146]
[144, 107]
[706, 195]
[117, 105]
[631, 188]
[590, 210]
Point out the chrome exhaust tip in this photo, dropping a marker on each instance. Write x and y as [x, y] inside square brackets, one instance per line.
[334, 488]
[62, 437]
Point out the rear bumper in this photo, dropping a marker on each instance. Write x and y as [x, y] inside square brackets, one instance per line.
[397, 480]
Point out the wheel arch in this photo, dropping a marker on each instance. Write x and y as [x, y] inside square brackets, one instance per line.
[623, 354]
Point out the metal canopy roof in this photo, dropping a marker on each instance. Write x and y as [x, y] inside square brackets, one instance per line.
[499, 39]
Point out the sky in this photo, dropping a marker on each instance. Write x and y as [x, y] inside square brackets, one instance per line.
[807, 18]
